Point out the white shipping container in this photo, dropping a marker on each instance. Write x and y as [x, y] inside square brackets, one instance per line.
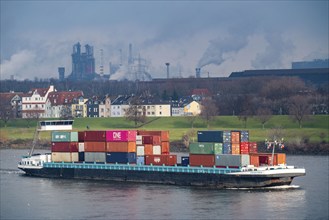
[140, 151]
[139, 140]
[81, 147]
[156, 150]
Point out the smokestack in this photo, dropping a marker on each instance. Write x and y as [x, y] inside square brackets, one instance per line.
[197, 72]
[130, 57]
[167, 64]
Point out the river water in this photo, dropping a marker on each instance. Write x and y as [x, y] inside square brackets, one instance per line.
[25, 197]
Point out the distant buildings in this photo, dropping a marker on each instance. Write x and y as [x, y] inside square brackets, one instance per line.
[318, 63]
[49, 103]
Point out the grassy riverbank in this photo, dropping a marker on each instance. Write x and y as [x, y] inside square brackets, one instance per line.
[313, 133]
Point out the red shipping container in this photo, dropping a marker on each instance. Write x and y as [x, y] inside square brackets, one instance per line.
[244, 147]
[164, 159]
[125, 147]
[93, 136]
[151, 139]
[253, 147]
[121, 135]
[60, 147]
[148, 149]
[64, 147]
[81, 136]
[165, 147]
[163, 134]
[95, 146]
[206, 160]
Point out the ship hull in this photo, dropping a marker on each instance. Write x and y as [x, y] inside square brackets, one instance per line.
[204, 180]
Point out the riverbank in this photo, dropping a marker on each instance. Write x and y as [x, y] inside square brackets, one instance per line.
[178, 146]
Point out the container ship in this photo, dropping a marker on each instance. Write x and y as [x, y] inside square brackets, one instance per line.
[219, 159]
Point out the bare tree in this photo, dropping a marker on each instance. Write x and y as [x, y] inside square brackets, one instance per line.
[191, 119]
[264, 114]
[208, 111]
[5, 113]
[66, 112]
[247, 109]
[299, 108]
[135, 111]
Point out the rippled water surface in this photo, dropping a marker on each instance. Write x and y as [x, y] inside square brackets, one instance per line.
[25, 197]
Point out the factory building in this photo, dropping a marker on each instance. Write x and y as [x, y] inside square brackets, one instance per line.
[83, 63]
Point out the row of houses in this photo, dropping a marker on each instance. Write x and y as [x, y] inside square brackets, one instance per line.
[50, 103]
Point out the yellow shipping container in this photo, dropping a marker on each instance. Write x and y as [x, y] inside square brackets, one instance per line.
[61, 157]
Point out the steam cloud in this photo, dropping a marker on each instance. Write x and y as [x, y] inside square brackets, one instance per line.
[215, 53]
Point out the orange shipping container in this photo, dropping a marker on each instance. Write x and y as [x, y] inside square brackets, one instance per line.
[148, 149]
[165, 147]
[236, 148]
[281, 158]
[95, 146]
[128, 147]
[235, 137]
[254, 160]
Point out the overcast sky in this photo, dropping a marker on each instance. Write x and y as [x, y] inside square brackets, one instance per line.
[220, 36]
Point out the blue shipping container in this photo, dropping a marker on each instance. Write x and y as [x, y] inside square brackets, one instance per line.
[141, 160]
[120, 157]
[244, 136]
[185, 161]
[210, 136]
[227, 137]
[227, 148]
[81, 156]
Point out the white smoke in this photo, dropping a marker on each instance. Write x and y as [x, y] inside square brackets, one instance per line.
[273, 55]
[17, 63]
[219, 47]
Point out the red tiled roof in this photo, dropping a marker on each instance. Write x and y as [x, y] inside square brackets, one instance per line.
[7, 96]
[204, 92]
[63, 98]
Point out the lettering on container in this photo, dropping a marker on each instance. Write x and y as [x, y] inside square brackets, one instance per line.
[157, 159]
[116, 135]
[62, 136]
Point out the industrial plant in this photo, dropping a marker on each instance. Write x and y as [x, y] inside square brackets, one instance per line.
[83, 67]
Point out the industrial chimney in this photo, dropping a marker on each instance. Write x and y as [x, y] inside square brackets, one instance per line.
[197, 72]
[167, 64]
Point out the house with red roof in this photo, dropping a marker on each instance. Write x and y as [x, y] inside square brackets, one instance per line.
[61, 103]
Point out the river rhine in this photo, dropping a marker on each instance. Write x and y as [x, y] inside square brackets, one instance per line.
[25, 197]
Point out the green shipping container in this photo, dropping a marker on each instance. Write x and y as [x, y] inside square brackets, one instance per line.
[206, 148]
[64, 136]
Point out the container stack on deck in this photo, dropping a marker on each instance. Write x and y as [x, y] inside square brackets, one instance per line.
[213, 148]
[113, 146]
[64, 146]
[228, 149]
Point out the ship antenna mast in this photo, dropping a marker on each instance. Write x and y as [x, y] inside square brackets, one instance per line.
[273, 144]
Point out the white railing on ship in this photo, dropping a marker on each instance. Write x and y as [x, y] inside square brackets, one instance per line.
[148, 168]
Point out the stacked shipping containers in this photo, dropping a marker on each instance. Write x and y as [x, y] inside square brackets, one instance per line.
[153, 148]
[121, 146]
[115, 146]
[202, 153]
[64, 146]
